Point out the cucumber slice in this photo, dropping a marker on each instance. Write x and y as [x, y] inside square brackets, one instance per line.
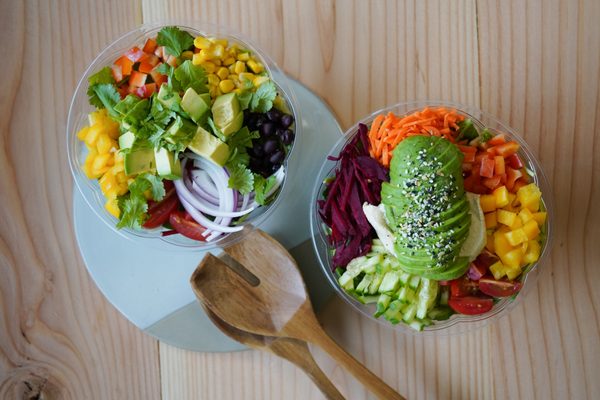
[383, 302]
[374, 286]
[414, 282]
[390, 282]
[409, 312]
[440, 313]
[363, 286]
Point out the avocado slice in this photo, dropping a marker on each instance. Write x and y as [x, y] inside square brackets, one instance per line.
[210, 147]
[167, 97]
[234, 125]
[194, 105]
[126, 140]
[138, 161]
[226, 112]
[181, 129]
[167, 165]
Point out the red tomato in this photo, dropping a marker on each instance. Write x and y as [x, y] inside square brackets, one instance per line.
[511, 177]
[150, 46]
[159, 212]
[146, 91]
[492, 183]
[137, 79]
[189, 229]
[463, 286]
[471, 305]
[134, 54]
[126, 65]
[487, 168]
[495, 288]
[514, 161]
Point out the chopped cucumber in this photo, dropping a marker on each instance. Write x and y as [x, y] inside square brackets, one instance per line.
[364, 284]
[383, 303]
[390, 282]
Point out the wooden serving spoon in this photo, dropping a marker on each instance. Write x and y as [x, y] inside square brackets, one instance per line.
[293, 350]
[266, 296]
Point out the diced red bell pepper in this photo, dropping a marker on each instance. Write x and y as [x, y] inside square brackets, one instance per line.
[134, 54]
[137, 79]
[150, 45]
[117, 73]
[511, 177]
[146, 91]
[506, 149]
[487, 168]
[126, 65]
[497, 140]
[519, 184]
[514, 161]
[492, 183]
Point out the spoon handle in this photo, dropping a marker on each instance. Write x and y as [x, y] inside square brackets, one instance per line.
[360, 372]
[297, 352]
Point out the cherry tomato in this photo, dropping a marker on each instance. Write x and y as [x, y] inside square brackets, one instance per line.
[190, 229]
[463, 286]
[159, 212]
[471, 305]
[495, 288]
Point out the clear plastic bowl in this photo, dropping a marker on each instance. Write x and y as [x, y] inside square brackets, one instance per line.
[457, 323]
[80, 108]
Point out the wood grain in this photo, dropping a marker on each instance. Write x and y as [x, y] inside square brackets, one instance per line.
[534, 64]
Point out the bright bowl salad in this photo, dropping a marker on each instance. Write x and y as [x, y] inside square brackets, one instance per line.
[185, 135]
[429, 215]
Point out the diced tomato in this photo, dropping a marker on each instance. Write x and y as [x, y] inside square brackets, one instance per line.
[519, 184]
[467, 149]
[462, 287]
[467, 167]
[159, 212]
[157, 77]
[150, 46]
[117, 73]
[469, 157]
[138, 79]
[123, 91]
[190, 229]
[160, 52]
[497, 140]
[486, 259]
[134, 54]
[492, 183]
[511, 177]
[172, 61]
[495, 288]
[145, 67]
[480, 157]
[146, 91]
[126, 65]
[487, 168]
[471, 305]
[514, 161]
[506, 149]
[149, 59]
[502, 179]
[499, 167]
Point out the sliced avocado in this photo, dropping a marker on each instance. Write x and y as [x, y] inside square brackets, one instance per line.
[181, 129]
[225, 110]
[234, 125]
[205, 97]
[210, 147]
[167, 165]
[126, 140]
[194, 105]
[167, 97]
[138, 161]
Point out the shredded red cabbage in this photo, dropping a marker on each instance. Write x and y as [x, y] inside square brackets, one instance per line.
[357, 180]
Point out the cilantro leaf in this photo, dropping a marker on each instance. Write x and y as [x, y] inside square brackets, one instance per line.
[244, 98]
[159, 113]
[104, 95]
[156, 185]
[262, 99]
[263, 186]
[102, 76]
[133, 210]
[241, 179]
[238, 156]
[218, 133]
[191, 76]
[242, 138]
[486, 135]
[132, 110]
[175, 40]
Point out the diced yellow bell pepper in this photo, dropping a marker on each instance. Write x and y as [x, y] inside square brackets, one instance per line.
[533, 252]
[498, 270]
[501, 244]
[516, 224]
[501, 196]
[489, 244]
[491, 220]
[540, 217]
[513, 258]
[506, 217]
[516, 237]
[512, 273]
[530, 196]
[525, 215]
[531, 229]
[487, 202]
[511, 199]
[112, 206]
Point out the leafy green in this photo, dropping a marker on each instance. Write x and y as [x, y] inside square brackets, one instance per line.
[132, 110]
[486, 135]
[244, 98]
[241, 179]
[134, 205]
[104, 95]
[159, 113]
[101, 77]
[262, 99]
[242, 138]
[218, 133]
[262, 186]
[191, 76]
[467, 130]
[175, 40]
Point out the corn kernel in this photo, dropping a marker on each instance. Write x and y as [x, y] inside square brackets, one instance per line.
[487, 202]
[213, 79]
[220, 42]
[232, 69]
[217, 62]
[187, 55]
[243, 56]
[197, 59]
[249, 76]
[223, 73]
[209, 67]
[259, 80]
[239, 67]
[531, 229]
[256, 67]
[228, 61]
[206, 54]
[506, 217]
[227, 86]
[516, 237]
[491, 220]
[501, 195]
[540, 217]
[202, 43]
[498, 269]
[218, 51]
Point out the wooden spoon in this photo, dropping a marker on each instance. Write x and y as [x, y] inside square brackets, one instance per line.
[269, 298]
[293, 350]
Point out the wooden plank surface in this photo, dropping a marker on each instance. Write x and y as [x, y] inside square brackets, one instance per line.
[535, 64]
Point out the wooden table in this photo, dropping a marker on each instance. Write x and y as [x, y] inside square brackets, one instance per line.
[534, 64]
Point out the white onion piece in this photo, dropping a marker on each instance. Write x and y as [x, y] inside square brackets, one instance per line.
[205, 182]
[203, 195]
[203, 206]
[202, 220]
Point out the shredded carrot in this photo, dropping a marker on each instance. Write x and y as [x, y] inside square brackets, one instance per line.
[389, 130]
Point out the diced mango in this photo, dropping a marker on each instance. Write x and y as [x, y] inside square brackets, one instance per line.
[540, 217]
[491, 220]
[104, 143]
[512, 273]
[531, 229]
[533, 252]
[92, 134]
[487, 202]
[112, 206]
[513, 258]
[81, 135]
[501, 196]
[498, 270]
[501, 244]
[516, 237]
[525, 215]
[530, 196]
[506, 217]
[516, 224]
[100, 161]
[107, 183]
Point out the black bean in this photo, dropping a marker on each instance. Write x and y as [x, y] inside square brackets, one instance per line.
[274, 114]
[267, 129]
[287, 137]
[286, 121]
[270, 146]
[276, 157]
[257, 149]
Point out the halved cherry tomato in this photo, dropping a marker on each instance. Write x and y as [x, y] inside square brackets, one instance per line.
[159, 212]
[471, 305]
[463, 286]
[495, 288]
[189, 229]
